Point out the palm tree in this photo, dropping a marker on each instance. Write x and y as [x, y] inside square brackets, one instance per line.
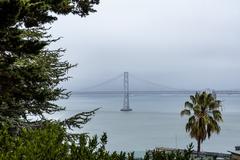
[204, 115]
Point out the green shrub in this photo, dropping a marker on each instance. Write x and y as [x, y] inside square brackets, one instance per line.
[48, 142]
[51, 142]
[172, 155]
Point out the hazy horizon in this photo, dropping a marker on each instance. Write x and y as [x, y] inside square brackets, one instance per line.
[181, 44]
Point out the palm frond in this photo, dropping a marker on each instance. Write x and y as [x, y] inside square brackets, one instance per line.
[188, 105]
[193, 99]
[185, 112]
[217, 115]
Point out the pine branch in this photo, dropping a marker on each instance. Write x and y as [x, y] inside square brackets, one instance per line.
[79, 119]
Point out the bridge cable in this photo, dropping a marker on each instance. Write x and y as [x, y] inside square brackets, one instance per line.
[155, 84]
[103, 83]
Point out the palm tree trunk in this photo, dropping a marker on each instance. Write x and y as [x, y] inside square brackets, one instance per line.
[198, 147]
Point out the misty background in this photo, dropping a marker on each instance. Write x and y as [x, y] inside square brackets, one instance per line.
[187, 44]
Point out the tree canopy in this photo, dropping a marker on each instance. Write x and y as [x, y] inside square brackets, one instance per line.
[30, 73]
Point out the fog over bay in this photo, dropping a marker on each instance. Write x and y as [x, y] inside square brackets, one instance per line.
[190, 44]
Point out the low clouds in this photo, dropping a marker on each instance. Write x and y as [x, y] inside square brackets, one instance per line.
[194, 44]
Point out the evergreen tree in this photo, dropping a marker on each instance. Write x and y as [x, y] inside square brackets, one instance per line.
[30, 73]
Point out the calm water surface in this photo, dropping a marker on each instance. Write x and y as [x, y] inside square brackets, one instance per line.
[154, 122]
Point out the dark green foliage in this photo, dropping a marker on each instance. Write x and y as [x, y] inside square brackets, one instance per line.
[171, 155]
[33, 13]
[51, 142]
[30, 73]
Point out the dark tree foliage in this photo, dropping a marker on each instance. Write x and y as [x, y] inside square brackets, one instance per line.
[30, 73]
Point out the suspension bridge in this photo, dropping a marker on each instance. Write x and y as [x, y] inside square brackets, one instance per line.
[155, 89]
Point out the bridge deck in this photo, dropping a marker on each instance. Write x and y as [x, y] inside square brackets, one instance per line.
[229, 92]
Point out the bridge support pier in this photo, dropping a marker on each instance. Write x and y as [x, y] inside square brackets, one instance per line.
[126, 93]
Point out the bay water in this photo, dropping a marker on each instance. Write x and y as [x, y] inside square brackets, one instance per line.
[154, 122]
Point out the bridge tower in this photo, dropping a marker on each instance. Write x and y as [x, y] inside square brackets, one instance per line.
[126, 93]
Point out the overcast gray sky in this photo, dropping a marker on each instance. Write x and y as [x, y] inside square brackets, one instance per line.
[179, 43]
